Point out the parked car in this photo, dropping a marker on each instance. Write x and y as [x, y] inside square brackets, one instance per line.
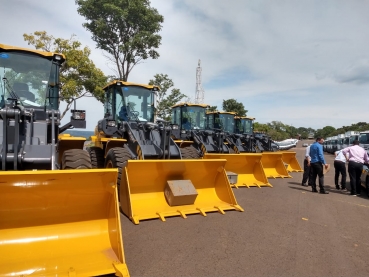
[304, 145]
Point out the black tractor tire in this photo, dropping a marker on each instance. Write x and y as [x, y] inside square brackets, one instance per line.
[115, 159]
[76, 159]
[190, 152]
[97, 157]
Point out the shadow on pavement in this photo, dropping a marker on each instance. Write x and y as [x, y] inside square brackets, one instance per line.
[294, 183]
[301, 188]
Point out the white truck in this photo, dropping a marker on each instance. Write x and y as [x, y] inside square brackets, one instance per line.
[340, 140]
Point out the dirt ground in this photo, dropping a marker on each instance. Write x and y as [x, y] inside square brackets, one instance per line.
[284, 231]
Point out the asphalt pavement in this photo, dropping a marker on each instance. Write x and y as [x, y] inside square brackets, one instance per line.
[284, 231]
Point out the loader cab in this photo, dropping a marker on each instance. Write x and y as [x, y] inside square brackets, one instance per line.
[127, 101]
[189, 116]
[224, 121]
[29, 78]
[29, 102]
[244, 125]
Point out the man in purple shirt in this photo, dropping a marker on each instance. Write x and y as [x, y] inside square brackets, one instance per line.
[357, 156]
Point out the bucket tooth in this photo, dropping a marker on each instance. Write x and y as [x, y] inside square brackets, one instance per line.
[202, 212]
[161, 216]
[183, 215]
[238, 208]
[121, 270]
[220, 209]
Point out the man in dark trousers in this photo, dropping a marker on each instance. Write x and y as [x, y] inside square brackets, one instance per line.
[317, 162]
[357, 156]
[308, 173]
[340, 168]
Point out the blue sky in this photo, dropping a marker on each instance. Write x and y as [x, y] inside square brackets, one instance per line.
[304, 63]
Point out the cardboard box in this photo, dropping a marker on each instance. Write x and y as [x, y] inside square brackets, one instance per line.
[180, 192]
[326, 170]
[232, 177]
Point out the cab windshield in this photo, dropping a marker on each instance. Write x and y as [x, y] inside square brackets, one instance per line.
[28, 78]
[244, 126]
[352, 138]
[364, 138]
[224, 122]
[135, 103]
[193, 118]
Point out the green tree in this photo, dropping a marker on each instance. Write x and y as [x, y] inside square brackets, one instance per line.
[79, 76]
[259, 127]
[127, 30]
[304, 135]
[165, 99]
[327, 131]
[231, 105]
[278, 135]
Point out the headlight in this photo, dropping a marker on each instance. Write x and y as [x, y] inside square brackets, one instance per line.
[111, 123]
[183, 131]
[175, 127]
[78, 114]
[57, 57]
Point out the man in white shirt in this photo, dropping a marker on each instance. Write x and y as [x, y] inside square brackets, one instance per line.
[307, 169]
[340, 167]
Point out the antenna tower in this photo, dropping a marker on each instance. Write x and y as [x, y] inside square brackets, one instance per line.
[199, 96]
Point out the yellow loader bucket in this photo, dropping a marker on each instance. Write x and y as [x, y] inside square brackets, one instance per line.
[289, 158]
[273, 165]
[248, 167]
[60, 223]
[142, 188]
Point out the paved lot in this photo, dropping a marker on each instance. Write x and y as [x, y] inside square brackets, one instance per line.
[284, 231]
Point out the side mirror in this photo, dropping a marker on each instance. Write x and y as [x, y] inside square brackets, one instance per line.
[78, 119]
[78, 114]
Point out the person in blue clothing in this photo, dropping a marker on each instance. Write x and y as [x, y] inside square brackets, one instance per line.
[317, 162]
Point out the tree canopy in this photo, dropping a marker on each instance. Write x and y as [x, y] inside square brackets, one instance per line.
[325, 132]
[231, 105]
[165, 99]
[127, 30]
[79, 76]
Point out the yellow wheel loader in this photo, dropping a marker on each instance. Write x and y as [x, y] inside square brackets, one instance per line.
[154, 181]
[258, 142]
[203, 135]
[58, 217]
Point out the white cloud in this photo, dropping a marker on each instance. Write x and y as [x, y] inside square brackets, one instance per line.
[300, 62]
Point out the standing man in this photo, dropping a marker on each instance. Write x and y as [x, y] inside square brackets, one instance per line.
[317, 162]
[357, 156]
[307, 169]
[340, 167]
